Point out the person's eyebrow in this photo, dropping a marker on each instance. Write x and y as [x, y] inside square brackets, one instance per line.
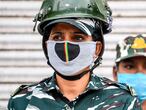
[79, 33]
[128, 61]
[56, 33]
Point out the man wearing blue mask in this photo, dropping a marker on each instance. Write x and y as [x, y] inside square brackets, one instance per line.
[130, 65]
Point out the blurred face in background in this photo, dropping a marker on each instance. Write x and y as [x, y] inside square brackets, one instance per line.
[132, 65]
[132, 71]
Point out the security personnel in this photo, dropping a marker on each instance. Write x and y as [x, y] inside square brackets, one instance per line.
[73, 44]
[131, 65]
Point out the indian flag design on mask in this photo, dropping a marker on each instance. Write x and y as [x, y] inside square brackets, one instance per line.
[66, 52]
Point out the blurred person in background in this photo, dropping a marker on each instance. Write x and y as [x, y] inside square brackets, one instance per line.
[130, 65]
[73, 44]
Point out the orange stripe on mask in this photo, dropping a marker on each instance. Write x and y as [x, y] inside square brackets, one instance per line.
[66, 52]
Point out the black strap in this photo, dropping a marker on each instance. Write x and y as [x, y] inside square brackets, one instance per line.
[72, 78]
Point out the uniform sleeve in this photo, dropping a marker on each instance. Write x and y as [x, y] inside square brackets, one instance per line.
[10, 105]
[132, 104]
[18, 102]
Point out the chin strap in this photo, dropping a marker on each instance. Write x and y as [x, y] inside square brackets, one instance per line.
[97, 62]
[73, 78]
[79, 76]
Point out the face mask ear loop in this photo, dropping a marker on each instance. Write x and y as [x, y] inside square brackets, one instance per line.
[97, 62]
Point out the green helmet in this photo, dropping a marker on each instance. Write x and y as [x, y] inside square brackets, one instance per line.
[131, 47]
[57, 9]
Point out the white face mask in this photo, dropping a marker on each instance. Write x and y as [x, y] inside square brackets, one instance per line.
[68, 58]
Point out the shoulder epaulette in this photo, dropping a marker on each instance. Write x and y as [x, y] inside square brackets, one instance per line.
[128, 88]
[27, 88]
[120, 85]
[19, 90]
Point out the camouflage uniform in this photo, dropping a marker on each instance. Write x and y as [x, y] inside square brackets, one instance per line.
[131, 47]
[100, 94]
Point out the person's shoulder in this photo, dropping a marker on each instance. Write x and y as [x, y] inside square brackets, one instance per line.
[20, 98]
[28, 89]
[111, 85]
[112, 91]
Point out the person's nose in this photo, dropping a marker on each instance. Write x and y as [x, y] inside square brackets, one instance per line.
[67, 37]
[141, 69]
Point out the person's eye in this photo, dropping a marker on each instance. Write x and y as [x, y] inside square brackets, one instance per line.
[78, 38]
[129, 66]
[56, 37]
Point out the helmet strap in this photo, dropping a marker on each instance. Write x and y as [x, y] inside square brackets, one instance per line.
[35, 20]
[73, 78]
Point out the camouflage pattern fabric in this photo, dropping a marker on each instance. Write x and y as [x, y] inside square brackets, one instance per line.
[131, 47]
[100, 94]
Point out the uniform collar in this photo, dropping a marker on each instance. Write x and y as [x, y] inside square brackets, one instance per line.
[95, 83]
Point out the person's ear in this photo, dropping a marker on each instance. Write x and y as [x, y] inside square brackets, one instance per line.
[98, 48]
[115, 70]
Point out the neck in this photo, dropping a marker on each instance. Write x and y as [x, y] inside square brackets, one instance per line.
[144, 105]
[72, 89]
